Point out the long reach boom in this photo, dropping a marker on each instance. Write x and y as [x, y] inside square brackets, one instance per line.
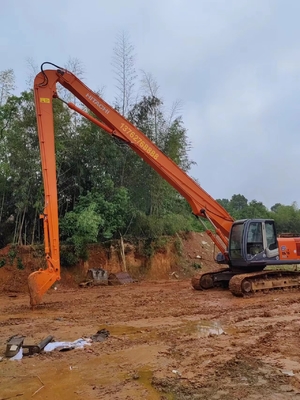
[202, 204]
[245, 245]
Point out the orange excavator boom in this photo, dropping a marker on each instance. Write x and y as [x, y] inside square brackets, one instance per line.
[202, 204]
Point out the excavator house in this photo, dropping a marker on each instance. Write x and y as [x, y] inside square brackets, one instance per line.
[246, 247]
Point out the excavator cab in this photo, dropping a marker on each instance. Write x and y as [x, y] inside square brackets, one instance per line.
[252, 243]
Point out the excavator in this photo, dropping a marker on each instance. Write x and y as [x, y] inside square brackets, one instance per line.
[246, 247]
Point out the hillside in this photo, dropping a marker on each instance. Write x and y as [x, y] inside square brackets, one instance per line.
[181, 255]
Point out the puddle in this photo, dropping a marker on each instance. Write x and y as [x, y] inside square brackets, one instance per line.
[119, 330]
[200, 328]
[144, 378]
[209, 328]
[127, 330]
[70, 377]
[205, 328]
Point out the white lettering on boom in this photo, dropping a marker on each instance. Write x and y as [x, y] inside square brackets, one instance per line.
[97, 103]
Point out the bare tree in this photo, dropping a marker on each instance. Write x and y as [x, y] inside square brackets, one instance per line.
[33, 71]
[7, 84]
[149, 84]
[75, 66]
[125, 74]
[151, 88]
[176, 109]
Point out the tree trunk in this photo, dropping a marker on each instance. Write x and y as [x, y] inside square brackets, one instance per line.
[20, 242]
[122, 251]
[33, 228]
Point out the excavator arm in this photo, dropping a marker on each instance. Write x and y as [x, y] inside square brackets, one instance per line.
[202, 204]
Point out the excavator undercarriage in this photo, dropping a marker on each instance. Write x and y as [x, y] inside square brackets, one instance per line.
[246, 284]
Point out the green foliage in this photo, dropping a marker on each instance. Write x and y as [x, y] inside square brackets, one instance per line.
[20, 264]
[178, 246]
[160, 243]
[147, 249]
[12, 255]
[152, 226]
[287, 218]
[104, 188]
[68, 258]
[2, 262]
[149, 192]
[197, 266]
[81, 228]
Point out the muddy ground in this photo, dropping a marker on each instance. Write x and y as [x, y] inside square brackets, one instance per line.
[167, 341]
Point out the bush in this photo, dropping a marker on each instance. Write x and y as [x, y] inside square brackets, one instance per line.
[150, 226]
[68, 258]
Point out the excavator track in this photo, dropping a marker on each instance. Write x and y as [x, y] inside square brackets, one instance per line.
[209, 280]
[247, 284]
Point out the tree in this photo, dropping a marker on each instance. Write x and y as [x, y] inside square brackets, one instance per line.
[123, 63]
[96, 216]
[225, 203]
[7, 84]
[256, 209]
[81, 228]
[276, 207]
[33, 71]
[19, 161]
[287, 218]
[151, 193]
[238, 202]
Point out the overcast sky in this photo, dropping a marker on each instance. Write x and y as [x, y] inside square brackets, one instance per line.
[235, 64]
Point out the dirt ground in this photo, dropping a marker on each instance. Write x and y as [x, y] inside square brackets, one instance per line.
[167, 341]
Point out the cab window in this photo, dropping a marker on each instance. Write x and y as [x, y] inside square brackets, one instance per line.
[255, 238]
[271, 235]
[236, 240]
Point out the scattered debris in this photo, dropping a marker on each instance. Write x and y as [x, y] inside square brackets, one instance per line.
[86, 283]
[176, 372]
[65, 346]
[288, 373]
[13, 346]
[100, 336]
[40, 387]
[12, 397]
[36, 348]
[120, 278]
[98, 276]
[95, 277]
